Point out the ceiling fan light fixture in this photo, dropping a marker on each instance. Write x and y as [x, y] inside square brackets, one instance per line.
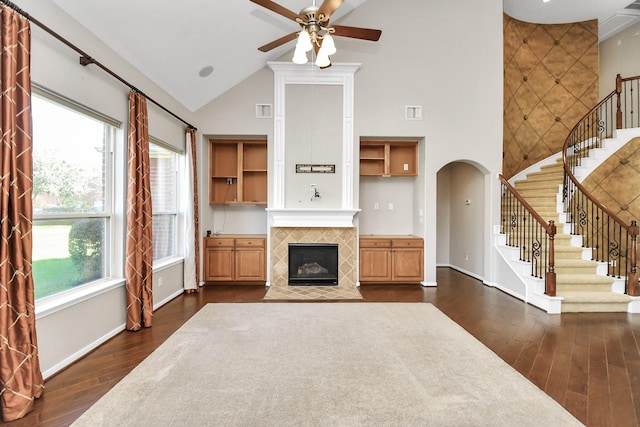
[323, 60]
[328, 45]
[300, 57]
[304, 41]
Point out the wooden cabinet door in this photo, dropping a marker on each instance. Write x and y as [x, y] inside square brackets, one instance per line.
[250, 264]
[218, 264]
[375, 265]
[407, 265]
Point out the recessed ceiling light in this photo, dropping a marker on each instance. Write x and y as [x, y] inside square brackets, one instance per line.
[205, 71]
[546, 1]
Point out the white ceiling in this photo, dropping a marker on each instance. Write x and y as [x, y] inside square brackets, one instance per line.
[178, 39]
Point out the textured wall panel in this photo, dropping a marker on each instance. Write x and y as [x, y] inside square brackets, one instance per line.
[550, 82]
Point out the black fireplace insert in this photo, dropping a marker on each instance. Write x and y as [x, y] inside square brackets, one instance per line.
[313, 264]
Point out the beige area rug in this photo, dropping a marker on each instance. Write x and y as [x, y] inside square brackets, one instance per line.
[312, 293]
[346, 364]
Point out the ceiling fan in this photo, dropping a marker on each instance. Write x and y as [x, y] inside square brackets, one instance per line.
[316, 31]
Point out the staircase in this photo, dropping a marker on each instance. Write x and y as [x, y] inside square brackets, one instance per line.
[546, 265]
[580, 282]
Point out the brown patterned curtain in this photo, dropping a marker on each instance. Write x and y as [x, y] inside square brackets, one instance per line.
[20, 375]
[139, 268]
[192, 241]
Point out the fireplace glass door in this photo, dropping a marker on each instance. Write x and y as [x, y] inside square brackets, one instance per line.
[313, 264]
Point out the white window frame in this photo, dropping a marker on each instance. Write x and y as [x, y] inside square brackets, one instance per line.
[177, 253]
[113, 211]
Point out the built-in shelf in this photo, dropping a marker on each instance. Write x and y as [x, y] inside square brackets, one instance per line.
[388, 158]
[238, 171]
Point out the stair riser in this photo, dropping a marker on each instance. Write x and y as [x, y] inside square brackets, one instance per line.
[582, 288]
[594, 308]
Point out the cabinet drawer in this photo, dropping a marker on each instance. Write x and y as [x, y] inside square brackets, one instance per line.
[213, 242]
[407, 243]
[249, 242]
[375, 243]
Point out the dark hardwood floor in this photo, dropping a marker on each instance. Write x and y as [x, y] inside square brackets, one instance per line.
[589, 363]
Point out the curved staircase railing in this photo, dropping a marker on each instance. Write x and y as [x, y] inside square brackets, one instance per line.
[610, 238]
[526, 230]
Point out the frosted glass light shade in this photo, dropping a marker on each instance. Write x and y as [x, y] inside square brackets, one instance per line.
[328, 45]
[322, 60]
[300, 56]
[304, 41]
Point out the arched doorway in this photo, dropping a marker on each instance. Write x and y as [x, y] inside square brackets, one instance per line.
[460, 218]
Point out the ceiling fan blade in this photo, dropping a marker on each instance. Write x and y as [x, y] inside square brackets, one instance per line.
[275, 7]
[357, 33]
[282, 40]
[327, 8]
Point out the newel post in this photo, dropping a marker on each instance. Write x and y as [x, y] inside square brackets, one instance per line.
[619, 106]
[633, 288]
[550, 278]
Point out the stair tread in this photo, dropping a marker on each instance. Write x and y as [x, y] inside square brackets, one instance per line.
[593, 297]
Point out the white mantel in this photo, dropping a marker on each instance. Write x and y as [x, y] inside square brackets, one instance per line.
[312, 217]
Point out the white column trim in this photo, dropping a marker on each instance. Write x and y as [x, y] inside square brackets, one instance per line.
[338, 74]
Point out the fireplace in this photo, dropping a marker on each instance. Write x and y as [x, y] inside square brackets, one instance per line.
[313, 264]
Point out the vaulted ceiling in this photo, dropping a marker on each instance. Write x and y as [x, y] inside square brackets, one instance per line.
[178, 42]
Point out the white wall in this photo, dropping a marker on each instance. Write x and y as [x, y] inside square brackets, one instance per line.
[67, 332]
[386, 192]
[233, 114]
[619, 54]
[445, 56]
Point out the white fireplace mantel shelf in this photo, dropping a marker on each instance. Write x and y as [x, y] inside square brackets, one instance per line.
[307, 217]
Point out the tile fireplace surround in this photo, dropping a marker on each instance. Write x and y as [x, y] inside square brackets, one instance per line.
[344, 237]
[312, 226]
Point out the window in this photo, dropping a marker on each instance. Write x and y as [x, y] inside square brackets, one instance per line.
[164, 200]
[72, 202]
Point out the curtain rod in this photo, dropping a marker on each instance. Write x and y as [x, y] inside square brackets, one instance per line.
[86, 59]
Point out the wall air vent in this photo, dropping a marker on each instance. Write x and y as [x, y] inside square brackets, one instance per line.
[413, 112]
[263, 111]
[635, 5]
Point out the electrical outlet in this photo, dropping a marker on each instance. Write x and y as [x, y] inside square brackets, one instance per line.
[376, 206]
[314, 186]
[390, 206]
[466, 257]
[160, 282]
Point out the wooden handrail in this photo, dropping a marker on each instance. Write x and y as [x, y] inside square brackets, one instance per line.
[550, 231]
[549, 228]
[628, 79]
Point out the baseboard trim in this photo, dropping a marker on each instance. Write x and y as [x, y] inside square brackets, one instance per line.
[82, 352]
[95, 344]
[463, 271]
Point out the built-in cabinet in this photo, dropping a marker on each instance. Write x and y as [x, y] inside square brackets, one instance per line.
[235, 258]
[238, 171]
[391, 259]
[388, 158]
